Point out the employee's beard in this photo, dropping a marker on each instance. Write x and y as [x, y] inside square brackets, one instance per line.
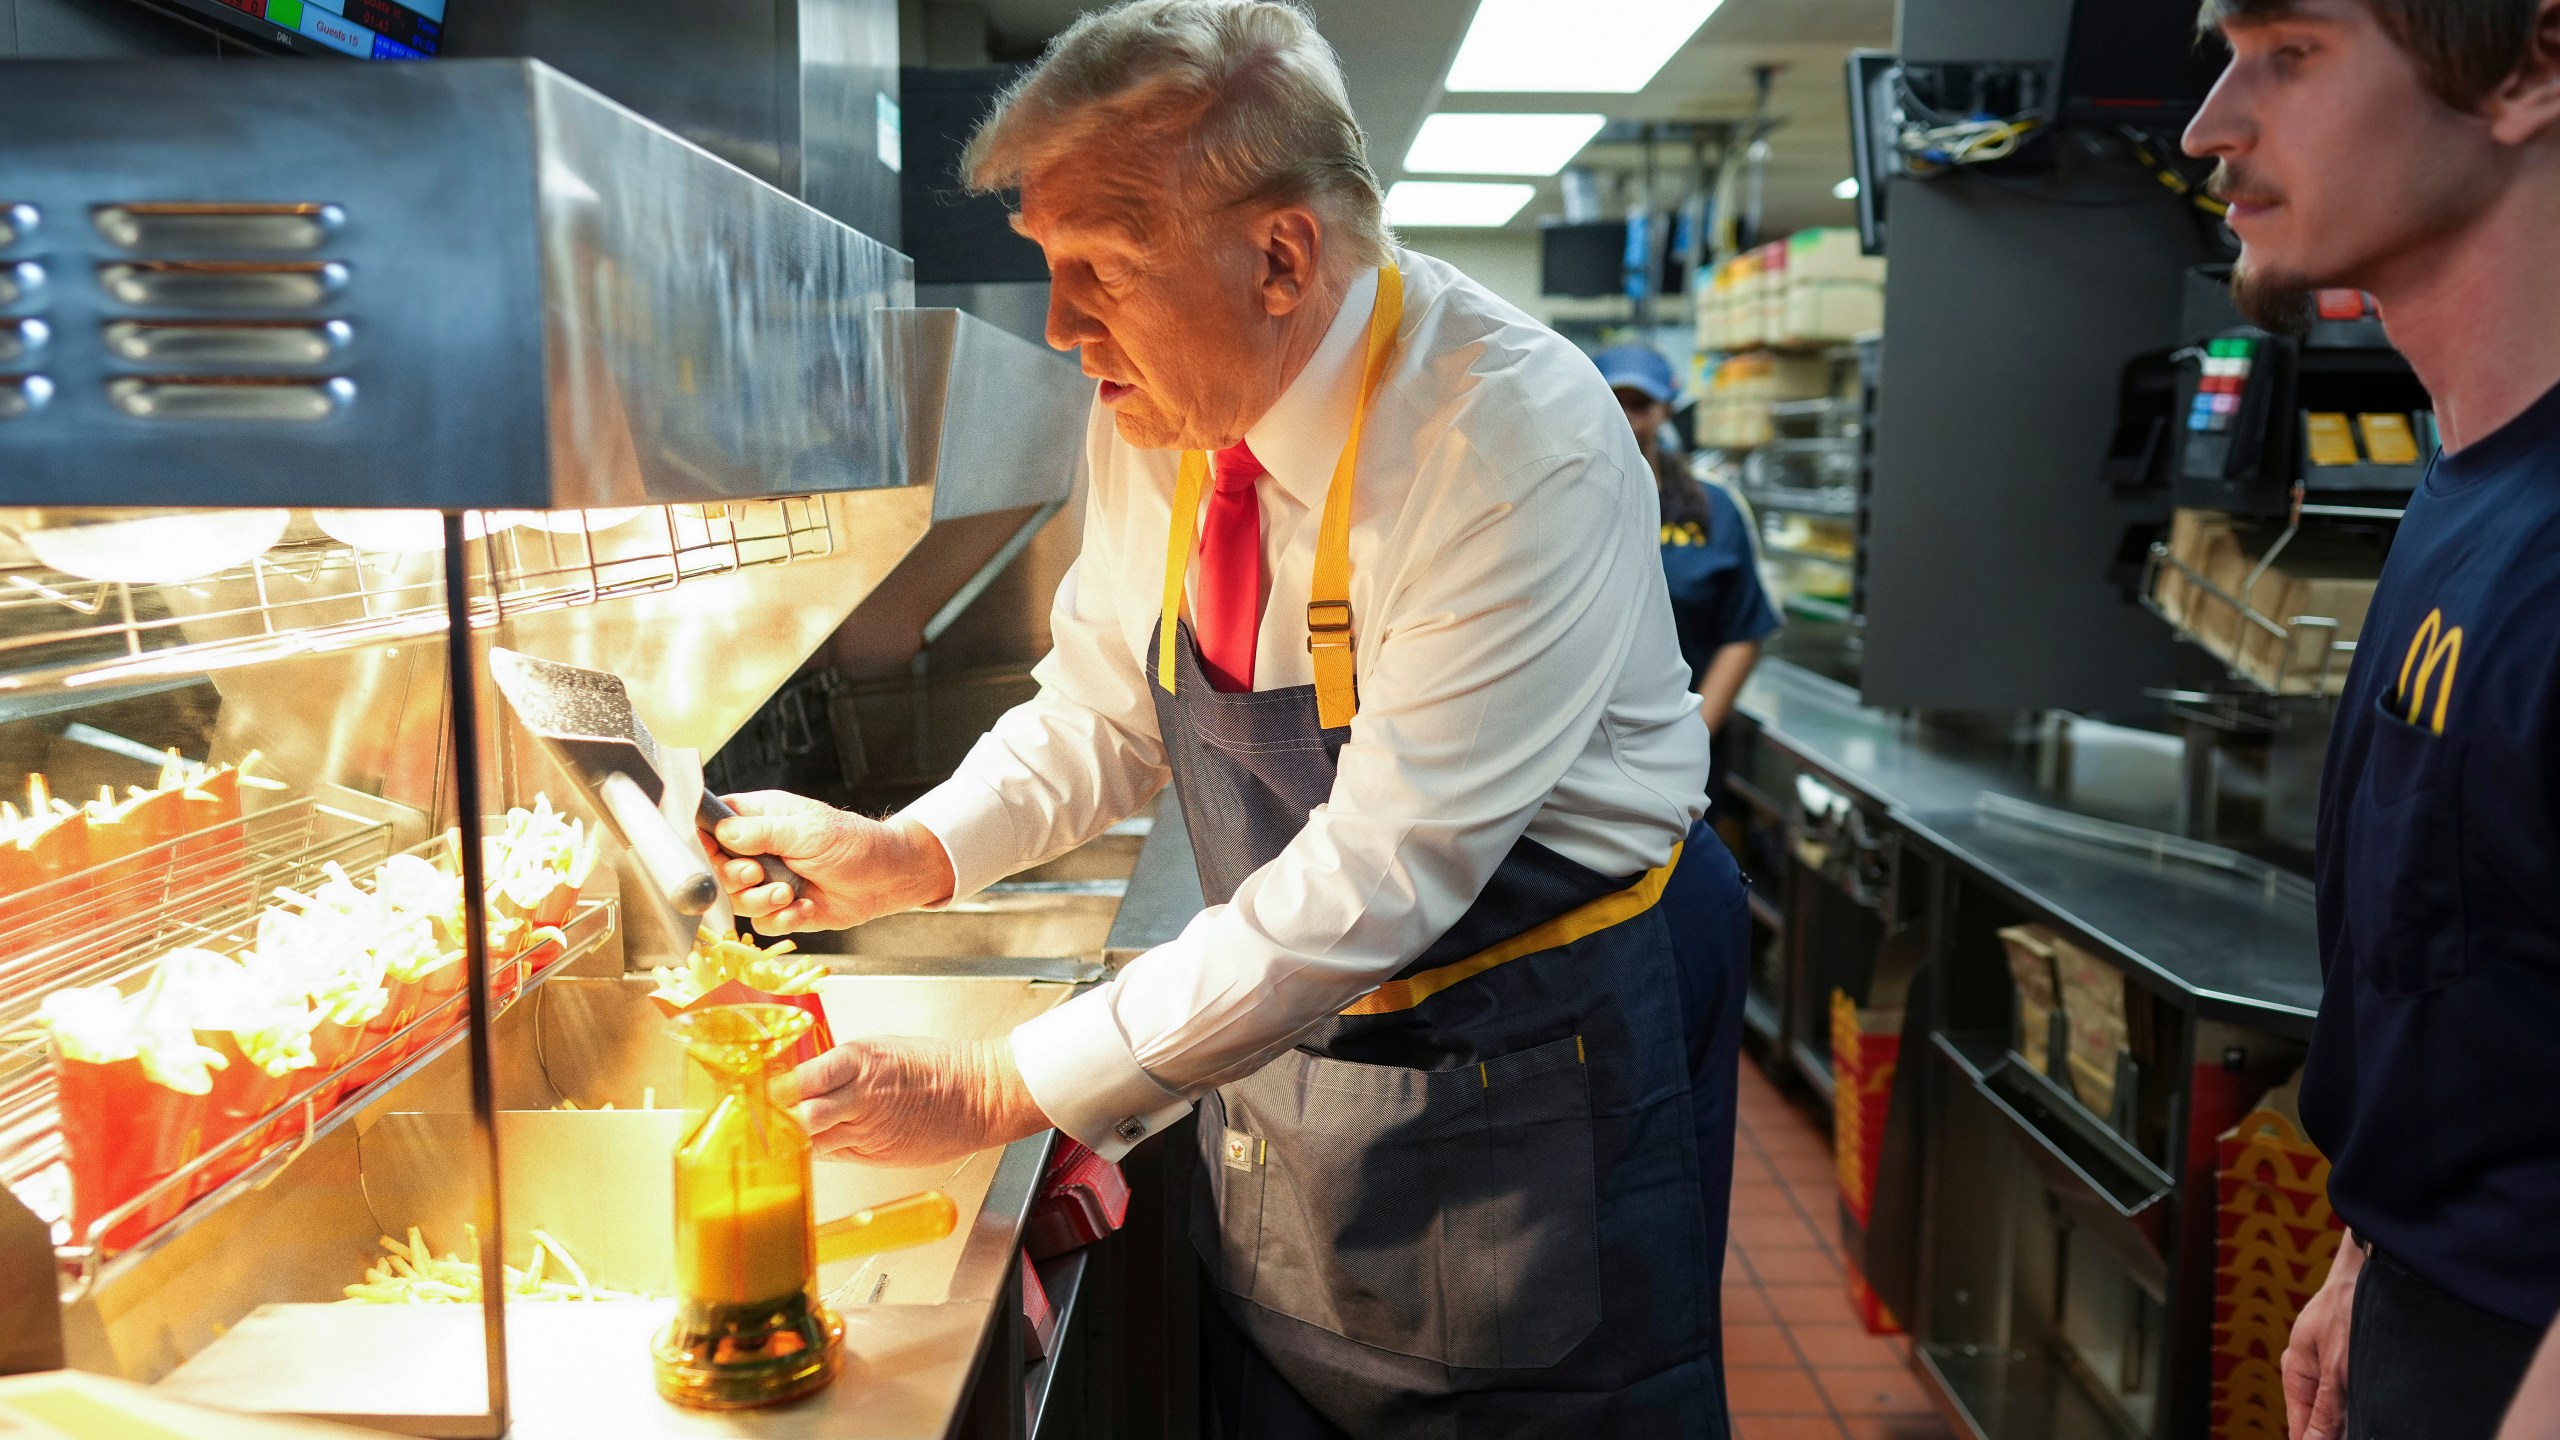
[2272, 300]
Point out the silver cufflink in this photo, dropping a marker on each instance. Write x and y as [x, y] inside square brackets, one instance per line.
[1132, 1128]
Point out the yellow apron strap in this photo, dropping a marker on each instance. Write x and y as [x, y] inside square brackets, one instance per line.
[1329, 597]
[1177, 557]
[1329, 634]
[1566, 928]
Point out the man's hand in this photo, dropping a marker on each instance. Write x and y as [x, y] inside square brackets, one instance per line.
[903, 1102]
[858, 868]
[2315, 1360]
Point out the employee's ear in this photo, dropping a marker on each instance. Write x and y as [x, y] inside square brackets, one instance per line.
[2526, 107]
[1291, 240]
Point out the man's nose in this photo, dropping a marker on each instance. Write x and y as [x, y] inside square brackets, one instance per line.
[1070, 324]
[2219, 129]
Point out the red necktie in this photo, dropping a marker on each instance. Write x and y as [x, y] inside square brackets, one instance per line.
[1226, 609]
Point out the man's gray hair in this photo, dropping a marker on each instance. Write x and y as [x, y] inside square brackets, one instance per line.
[1247, 94]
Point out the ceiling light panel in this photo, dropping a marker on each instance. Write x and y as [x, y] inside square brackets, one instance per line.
[1605, 47]
[1499, 144]
[1454, 204]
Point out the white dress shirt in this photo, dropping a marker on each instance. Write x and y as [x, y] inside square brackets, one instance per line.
[1518, 673]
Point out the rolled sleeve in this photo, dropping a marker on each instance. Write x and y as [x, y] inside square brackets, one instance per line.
[1087, 1080]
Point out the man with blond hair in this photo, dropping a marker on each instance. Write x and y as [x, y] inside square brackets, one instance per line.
[1369, 575]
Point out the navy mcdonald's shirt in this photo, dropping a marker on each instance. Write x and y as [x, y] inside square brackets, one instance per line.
[2433, 1083]
[1714, 575]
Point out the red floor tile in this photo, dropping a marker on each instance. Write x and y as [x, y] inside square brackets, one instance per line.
[1895, 1427]
[1882, 1391]
[1794, 1267]
[1764, 1198]
[1773, 1391]
[1755, 1233]
[1786, 1427]
[1842, 1346]
[1758, 1344]
[1783, 1143]
[1744, 1305]
[1794, 1303]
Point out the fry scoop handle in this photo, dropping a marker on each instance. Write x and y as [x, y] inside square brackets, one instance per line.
[919, 1219]
[713, 810]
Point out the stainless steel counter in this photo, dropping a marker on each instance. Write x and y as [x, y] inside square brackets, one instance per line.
[2239, 947]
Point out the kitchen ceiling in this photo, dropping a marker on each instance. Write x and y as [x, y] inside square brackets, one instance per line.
[1394, 53]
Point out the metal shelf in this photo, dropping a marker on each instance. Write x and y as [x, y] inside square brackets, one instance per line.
[208, 890]
[1817, 557]
[314, 593]
[1839, 502]
[2331, 672]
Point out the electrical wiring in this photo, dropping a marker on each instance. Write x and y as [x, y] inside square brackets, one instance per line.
[1932, 141]
[2178, 182]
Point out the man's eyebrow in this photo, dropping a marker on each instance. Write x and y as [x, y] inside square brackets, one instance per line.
[1088, 220]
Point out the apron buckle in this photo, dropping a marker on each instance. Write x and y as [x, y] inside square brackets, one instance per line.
[1328, 624]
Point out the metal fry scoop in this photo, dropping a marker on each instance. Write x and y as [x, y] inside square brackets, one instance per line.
[585, 716]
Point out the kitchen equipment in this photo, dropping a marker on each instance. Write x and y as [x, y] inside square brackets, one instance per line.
[587, 719]
[750, 1329]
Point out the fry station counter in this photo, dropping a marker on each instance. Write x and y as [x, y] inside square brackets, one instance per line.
[336, 1075]
[2034, 1018]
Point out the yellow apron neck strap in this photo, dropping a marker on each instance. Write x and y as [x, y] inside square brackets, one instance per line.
[1329, 632]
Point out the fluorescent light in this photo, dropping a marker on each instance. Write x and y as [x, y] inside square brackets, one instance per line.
[1499, 144]
[1428, 204]
[1600, 46]
[1846, 189]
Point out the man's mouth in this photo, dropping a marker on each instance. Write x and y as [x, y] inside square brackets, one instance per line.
[1114, 391]
[2246, 202]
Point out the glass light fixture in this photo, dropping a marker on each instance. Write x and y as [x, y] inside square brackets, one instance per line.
[148, 547]
[407, 532]
[1428, 204]
[1611, 47]
[1846, 190]
[1481, 144]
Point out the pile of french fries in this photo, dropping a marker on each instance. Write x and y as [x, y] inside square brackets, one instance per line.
[413, 1275]
[718, 959]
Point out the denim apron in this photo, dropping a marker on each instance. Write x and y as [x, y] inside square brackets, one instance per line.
[1476, 1203]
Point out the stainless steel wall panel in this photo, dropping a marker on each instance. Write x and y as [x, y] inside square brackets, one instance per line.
[553, 302]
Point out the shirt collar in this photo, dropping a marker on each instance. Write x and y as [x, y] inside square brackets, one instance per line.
[1301, 436]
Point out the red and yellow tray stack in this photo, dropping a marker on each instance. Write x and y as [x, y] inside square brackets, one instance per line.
[2276, 1239]
[1866, 1045]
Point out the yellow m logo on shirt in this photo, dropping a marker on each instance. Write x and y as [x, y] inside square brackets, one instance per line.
[2432, 644]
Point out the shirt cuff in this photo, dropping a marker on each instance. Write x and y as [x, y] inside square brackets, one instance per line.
[975, 829]
[1087, 1080]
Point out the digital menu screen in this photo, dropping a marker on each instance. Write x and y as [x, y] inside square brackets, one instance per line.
[365, 29]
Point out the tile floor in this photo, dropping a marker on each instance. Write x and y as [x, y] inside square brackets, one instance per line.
[1798, 1365]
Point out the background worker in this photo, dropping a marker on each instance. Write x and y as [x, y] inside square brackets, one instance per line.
[2411, 149]
[1713, 570]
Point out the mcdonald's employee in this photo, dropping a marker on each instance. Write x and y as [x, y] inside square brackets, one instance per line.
[2411, 148]
[1369, 575]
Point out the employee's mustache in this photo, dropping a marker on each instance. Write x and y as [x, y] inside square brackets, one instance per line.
[2230, 184]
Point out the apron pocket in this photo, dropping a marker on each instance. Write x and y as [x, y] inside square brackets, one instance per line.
[1450, 1215]
[2404, 863]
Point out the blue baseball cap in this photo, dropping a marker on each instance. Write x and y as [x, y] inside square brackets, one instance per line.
[1640, 368]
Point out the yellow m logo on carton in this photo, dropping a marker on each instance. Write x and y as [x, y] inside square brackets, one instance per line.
[2432, 644]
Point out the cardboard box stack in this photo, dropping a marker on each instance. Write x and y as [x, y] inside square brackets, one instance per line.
[2049, 973]
[2316, 574]
[1734, 412]
[2039, 996]
[1812, 288]
[1866, 1046]
[2275, 1239]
